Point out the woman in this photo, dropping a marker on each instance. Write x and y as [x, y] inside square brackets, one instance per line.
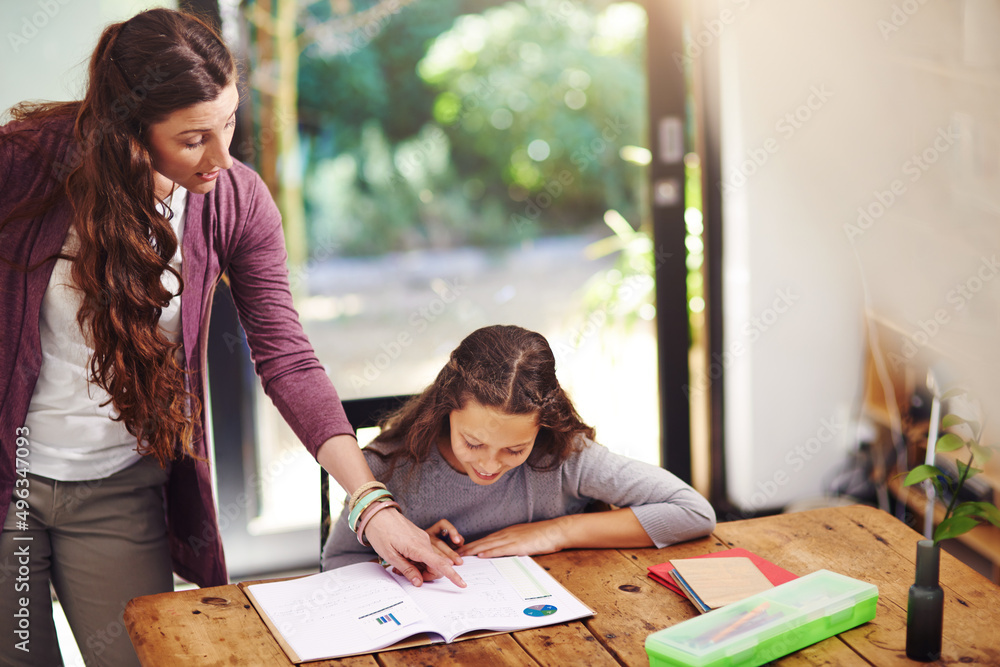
[118, 215]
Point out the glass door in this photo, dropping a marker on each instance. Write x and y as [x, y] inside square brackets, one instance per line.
[459, 164]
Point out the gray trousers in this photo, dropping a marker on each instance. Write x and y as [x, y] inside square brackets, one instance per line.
[99, 543]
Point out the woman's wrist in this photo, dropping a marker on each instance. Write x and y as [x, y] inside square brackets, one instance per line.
[379, 522]
[361, 491]
[363, 504]
[369, 513]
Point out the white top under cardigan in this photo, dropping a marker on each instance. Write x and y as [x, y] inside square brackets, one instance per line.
[668, 509]
[73, 437]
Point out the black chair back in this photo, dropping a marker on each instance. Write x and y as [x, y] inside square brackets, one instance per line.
[362, 413]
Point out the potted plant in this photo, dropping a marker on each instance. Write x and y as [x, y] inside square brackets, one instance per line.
[926, 599]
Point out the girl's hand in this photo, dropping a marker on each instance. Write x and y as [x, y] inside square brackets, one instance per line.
[408, 549]
[523, 539]
[446, 538]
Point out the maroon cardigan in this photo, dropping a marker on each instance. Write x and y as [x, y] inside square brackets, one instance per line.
[235, 229]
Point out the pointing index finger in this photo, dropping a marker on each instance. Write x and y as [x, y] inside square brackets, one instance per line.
[444, 567]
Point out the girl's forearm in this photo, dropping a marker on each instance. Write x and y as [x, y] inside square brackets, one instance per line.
[596, 530]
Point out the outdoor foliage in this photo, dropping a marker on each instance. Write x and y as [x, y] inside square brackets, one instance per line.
[480, 123]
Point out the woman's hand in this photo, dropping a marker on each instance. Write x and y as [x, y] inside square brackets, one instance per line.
[523, 539]
[408, 549]
[393, 536]
[446, 538]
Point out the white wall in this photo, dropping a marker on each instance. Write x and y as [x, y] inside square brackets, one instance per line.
[826, 107]
[46, 44]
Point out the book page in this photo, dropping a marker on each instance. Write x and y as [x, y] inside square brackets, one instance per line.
[354, 609]
[504, 594]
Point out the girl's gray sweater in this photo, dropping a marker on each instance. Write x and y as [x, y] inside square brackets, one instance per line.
[669, 510]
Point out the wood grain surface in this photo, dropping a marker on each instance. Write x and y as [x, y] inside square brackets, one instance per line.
[218, 626]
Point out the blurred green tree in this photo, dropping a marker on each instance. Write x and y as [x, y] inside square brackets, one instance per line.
[452, 122]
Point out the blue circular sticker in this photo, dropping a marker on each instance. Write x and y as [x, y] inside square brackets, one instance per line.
[540, 610]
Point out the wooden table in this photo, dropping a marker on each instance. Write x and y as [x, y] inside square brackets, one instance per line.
[218, 626]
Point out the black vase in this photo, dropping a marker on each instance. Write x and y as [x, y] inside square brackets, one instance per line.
[925, 609]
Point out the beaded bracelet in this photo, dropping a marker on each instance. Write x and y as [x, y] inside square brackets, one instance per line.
[374, 509]
[361, 490]
[366, 500]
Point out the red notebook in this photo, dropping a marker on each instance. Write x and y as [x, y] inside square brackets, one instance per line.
[776, 575]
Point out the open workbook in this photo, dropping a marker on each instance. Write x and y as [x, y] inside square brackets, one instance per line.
[364, 608]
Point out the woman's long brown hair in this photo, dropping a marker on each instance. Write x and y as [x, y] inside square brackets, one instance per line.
[504, 367]
[141, 71]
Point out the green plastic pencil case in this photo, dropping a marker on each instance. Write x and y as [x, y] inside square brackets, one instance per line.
[767, 625]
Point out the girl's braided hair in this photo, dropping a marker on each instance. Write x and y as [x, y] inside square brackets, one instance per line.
[503, 367]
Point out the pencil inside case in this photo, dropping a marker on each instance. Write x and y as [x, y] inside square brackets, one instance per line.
[768, 625]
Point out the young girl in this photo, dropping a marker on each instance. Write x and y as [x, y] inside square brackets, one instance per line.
[492, 459]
